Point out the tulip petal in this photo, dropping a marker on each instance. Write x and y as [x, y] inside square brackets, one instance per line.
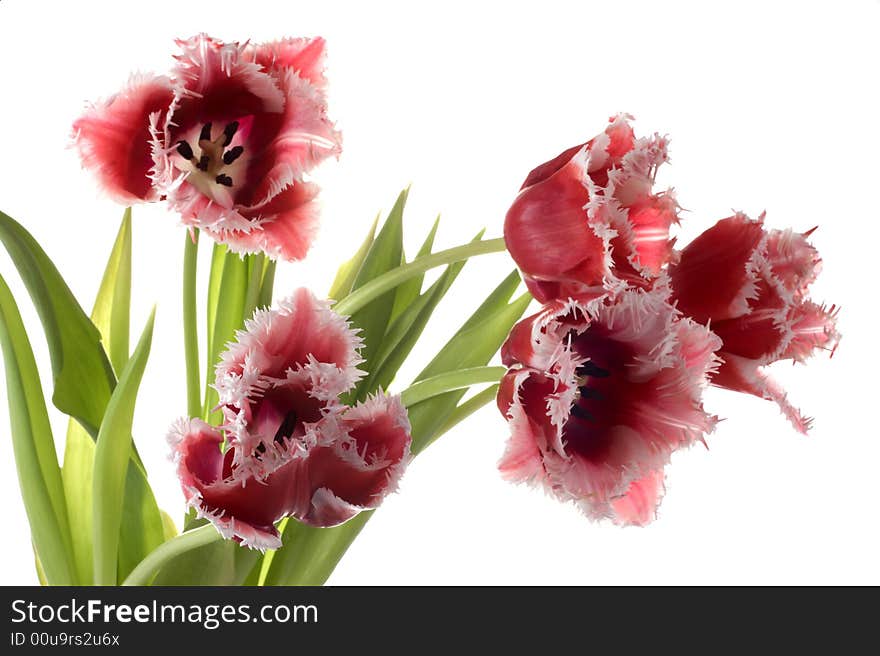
[358, 459]
[638, 506]
[305, 56]
[241, 508]
[113, 138]
[744, 375]
[716, 274]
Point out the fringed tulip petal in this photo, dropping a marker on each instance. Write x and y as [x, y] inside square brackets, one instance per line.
[357, 460]
[305, 56]
[282, 228]
[113, 138]
[716, 274]
[241, 508]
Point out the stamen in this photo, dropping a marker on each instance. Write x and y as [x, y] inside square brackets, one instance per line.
[582, 413]
[590, 368]
[185, 150]
[226, 181]
[229, 132]
[204, 160]
[590, 393]
[233, 154]
[287, 426]
[205, 134]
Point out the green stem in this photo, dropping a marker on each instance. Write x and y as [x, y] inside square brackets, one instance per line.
[268, 285]
[190, 330]
[453, 380]
[255, 286]
[391, 279]
[167, 551]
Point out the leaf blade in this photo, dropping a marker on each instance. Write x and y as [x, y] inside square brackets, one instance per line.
[39, 475]
[112, 308]
[384, 254]
[112, 450]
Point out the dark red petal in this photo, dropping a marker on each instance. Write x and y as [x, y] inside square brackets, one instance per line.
[113, 138]
[358, 460]
[243, 508]
[547, 232]
[712, 280]
[545, 170]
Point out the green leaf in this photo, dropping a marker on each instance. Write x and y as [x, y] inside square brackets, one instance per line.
[112, 451]
[33, 446]
[79, 459]
[218, 563]
[347, 273]
[384, 255]
[83, 375]
[169, 530]
[113, 303]
[226, 303]
[407, 292]
[41, 575]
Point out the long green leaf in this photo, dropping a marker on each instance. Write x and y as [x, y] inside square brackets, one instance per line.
[83, 375]
[112, 451]
[347, 273]
[408, 292]
[79, 460]
[38, 473]
[384, 255]
[113, 303]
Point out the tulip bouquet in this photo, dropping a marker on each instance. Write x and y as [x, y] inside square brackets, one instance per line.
[293, 438]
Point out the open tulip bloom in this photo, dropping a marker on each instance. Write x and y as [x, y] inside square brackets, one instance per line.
[299, 428]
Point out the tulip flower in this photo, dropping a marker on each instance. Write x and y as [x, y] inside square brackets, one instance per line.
[599, 394]
[226, 140]
[750, 285]
[292, 449]
[589, 218]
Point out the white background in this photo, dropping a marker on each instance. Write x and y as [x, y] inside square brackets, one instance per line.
[769, 106]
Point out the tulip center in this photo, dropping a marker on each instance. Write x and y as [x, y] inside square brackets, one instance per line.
[214, 165]
[604, 394]
[588, 392]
